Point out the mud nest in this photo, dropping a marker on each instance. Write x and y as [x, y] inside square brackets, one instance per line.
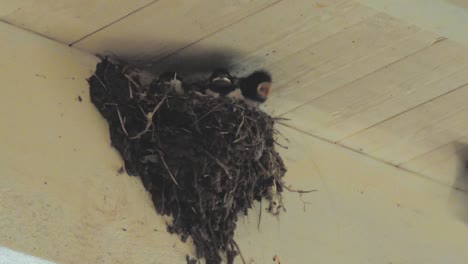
[204, 160]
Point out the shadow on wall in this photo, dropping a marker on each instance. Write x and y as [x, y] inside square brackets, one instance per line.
[200, 61]
[459, 196]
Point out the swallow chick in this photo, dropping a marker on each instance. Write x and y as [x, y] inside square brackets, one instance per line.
[168, 81]
[256, 88]
[220, 83]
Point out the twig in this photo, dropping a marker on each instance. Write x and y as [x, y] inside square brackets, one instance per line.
[282, 146]
[239, 251]
[178, 211]
[132, 81]
[149, 119]
[281, 134]
[226, 170]
[260, 215]
[300, 192]
[240, 126]
[103, 85]
[284, 124]
[297, 191]
[168, 170]
[209, 112]
[130, 92]
[280, 118]
[303, 202]
[239, 139]
[121, 121]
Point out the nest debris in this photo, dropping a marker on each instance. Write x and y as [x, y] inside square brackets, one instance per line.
[204, 160]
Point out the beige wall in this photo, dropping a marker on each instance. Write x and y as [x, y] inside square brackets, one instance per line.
[62, 199]
[60, 195]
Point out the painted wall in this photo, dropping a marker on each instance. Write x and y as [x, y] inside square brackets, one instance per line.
[62, 199]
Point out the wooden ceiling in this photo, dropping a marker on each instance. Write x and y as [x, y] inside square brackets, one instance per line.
[361, 74]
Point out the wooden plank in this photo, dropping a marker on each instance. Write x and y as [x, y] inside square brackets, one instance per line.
[166, 26]
[341, 59]
[67, 21]
[452, 15]
[385, 93]
[427, 127]
[274, 33]
[446, 164]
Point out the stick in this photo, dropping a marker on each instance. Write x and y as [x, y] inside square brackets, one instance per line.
[239, 139]
[121, 121]
[103, 85]
[132, 81]
[240, 126]
[303, 202]
[168, 170]
[281, 134]
[178, 211]
[149, 119]
[297, 191]
[260, 215]
[226, 170]
[209, 112]
[281, 118]
[284, 147]
[239, 251]
[300, 192]
[130, 92]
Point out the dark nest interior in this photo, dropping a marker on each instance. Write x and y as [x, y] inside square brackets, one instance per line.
[204, 160]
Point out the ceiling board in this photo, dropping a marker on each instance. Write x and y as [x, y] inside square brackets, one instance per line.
[446, 164]
[67, 21]
[275, 33]
[385, 93]
[341, 59]
[427, 127]
[167, 26]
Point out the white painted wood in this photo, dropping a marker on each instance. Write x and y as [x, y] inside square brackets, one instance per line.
[446, 164]
[166, 26]
[418, 131]
[342, 58]
[385, 93]
[446, 17]
[61, 197]
[66, 20]
[363, 212]
[275, 33]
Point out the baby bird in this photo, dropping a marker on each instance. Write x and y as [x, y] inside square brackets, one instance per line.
[220, 83]
[256, 88]
[168, 81]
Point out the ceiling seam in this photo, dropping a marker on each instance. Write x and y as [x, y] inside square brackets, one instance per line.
[216, 31]
[376, 159]
[31, 31]
[435, 149]
[112, 23]
[437, 41]
[402, 113]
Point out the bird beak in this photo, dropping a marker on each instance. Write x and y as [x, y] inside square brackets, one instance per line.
[264, 89]
[223, 79]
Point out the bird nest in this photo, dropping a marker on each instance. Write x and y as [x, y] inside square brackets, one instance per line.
[204, 160]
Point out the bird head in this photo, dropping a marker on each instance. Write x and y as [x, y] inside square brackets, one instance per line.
[221, 75]
[257, 86]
